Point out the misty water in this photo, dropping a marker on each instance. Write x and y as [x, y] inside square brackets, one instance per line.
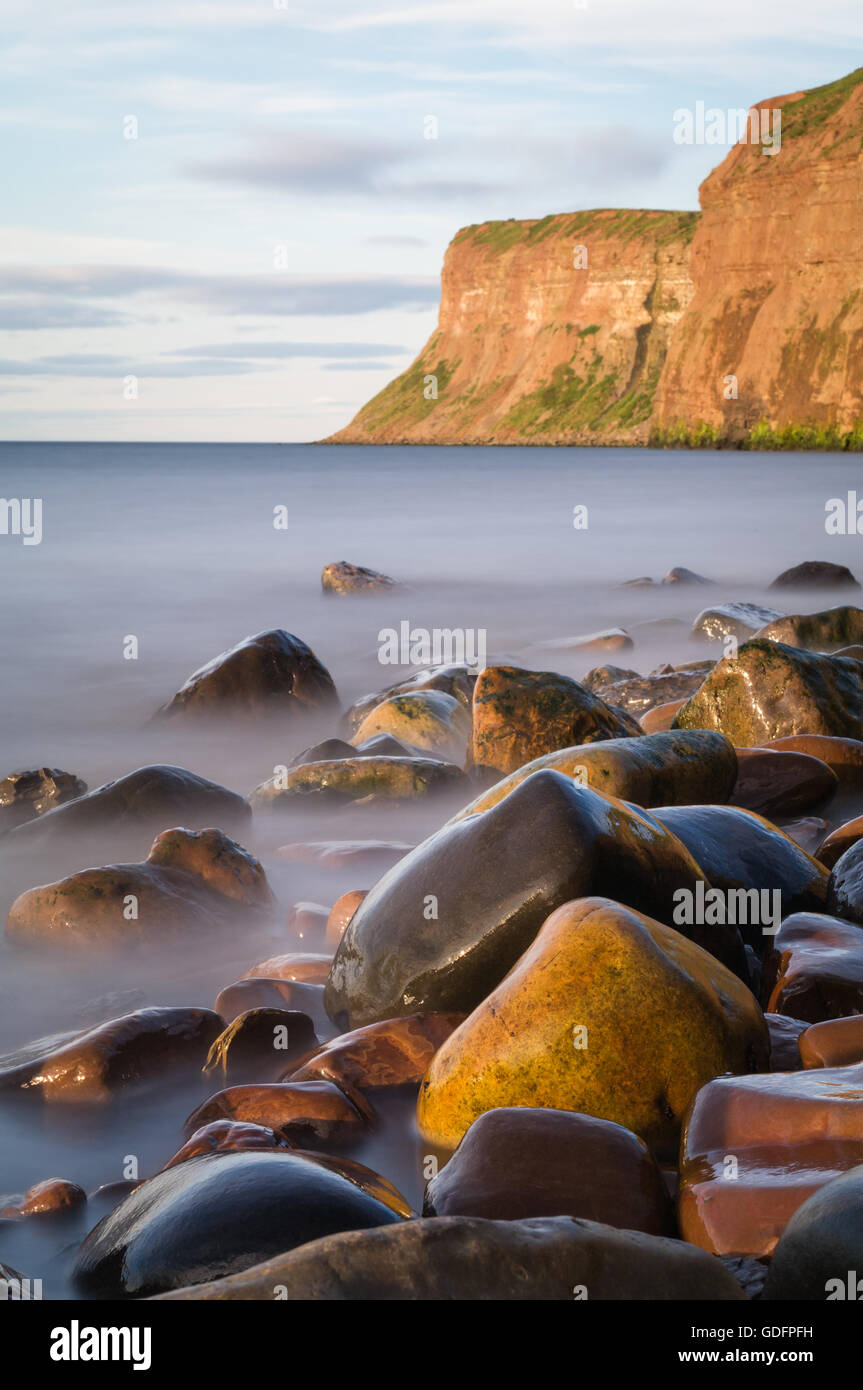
[176, 546]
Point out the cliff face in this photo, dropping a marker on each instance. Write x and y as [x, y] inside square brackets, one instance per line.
[740, 325]
[777, 266]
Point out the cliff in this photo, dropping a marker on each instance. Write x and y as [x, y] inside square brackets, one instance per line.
[740, 325]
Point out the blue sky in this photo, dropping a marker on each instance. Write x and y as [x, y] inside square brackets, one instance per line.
[265, 255]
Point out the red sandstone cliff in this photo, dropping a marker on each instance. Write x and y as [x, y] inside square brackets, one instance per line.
[621, 327]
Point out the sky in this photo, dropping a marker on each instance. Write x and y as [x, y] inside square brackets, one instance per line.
[225, 221]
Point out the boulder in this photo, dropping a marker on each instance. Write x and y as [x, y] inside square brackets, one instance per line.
[815, 968]
[739, 851]
[674, 768]
[820, 1255]
[642, 693]
[342, 578]
[837, 1042]
[259, 1044]
[215, 1215]
[468, 1259]
[816, 574]
[521, 715]
[222, 1136]
[831, 849]
[445, 925]
[382, 1056]
[372, 856]
[560, 1031]
[844, 756]
[661, 718]
[26, 795]
[307, 1113]
[354, 779]
[270, 674]
[343, 910]
[681, 575]
[93, 1067]
[516, 1163]
[263, 993]
[612, 639]
[145, 801]
[785, 1034]
[191, 883]
[307, 969]
[429, 720]
[52, 1197]
[739, 620]
[457, 679]
[845, 889]
[817, 632]
[770, 690]
[774, 782]
[755, 1147]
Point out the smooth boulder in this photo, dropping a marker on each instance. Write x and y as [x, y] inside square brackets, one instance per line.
[270, 674]
[215, 1215]
[444, 926]
[770, 690]
[608, 1013]
[820, 1255]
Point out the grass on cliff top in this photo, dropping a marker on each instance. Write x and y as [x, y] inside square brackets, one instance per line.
[624, 223]
[811, 111]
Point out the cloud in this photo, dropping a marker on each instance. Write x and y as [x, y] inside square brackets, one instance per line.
[61, 289]
[22, 313]
[281, 350]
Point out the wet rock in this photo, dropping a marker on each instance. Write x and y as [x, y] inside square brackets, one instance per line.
[661, 718]
[673, 768]
[784, 1035]
[838, 1042]
[446, 924]
[93, 1067]
[466, 1258]
[457, 679]
[190, 883]
[642, 582]
[602, 676]
[817, 632]
[382, 1056]
[520, 715]
[831, 850]
[786, 1135]
[770, 690]
[263, 993]
[145, 801]
[740, 620]
[307, 1113]
[815, 968]
[844, 756]
[612, 639]
[53, 1197]
[272, 673]
[558, 1031]
[26, 795]
[845, 889]
[306, 920]
[259, 1045]
[738, 851]
[222, 1136]
[820, 1255]
[681, 575]
[342, 578]
[372, 856]
[816, 574]
[781, 783]
[216, 1215]
[307, 969]
[351, 779]
[429, 720]
[646, 692]
[521, 1162]
[342, 912]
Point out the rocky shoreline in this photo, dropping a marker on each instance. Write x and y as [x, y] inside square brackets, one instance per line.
[608, 1010]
